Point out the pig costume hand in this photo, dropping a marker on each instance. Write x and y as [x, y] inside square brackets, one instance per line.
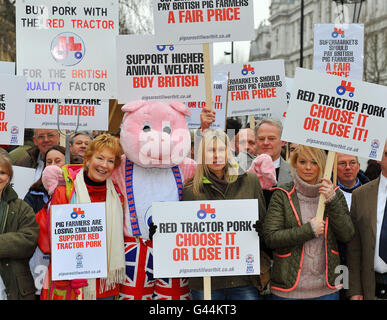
[264, 169]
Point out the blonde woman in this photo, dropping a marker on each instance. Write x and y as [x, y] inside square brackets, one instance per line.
[305, 248]
[218, 177]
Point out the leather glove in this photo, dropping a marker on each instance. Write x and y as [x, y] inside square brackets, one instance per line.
[258, 226]
[152, 230]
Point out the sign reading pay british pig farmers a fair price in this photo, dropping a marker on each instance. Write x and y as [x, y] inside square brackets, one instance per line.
[337, 114]
[211, 238]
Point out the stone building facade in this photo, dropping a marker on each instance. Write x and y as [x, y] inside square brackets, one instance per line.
[279, 37]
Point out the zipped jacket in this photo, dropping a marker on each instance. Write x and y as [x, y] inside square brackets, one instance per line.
[18, 239]
[285, 233]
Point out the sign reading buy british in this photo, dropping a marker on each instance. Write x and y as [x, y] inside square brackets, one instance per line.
[66, 49]
[343, 115]
[197, 21]
[148, 70]
[209, 239]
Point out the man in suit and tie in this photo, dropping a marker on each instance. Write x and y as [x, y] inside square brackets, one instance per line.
[367, 251]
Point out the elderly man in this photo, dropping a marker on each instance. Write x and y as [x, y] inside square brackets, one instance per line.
[349, 175]
[43, 140]
[79, 142]
[367, 251]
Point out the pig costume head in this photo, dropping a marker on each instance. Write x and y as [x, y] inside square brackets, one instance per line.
[155, 133]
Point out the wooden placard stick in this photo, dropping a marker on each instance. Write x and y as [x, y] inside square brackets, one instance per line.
[335, 170]
[327, 175]
[207, 288]
[207, 75]
[225, 122]
[209, 85]
[252, 121]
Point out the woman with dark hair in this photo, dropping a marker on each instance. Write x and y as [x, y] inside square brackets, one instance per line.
[37, 196]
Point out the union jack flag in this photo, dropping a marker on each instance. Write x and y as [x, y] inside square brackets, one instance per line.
[139, 282]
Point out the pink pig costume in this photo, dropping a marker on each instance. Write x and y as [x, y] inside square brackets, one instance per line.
[155, 139]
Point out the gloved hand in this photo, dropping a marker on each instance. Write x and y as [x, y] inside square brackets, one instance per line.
[76, 284]
[52, 177]
[258, 226]
[152, 230]
[264, 169]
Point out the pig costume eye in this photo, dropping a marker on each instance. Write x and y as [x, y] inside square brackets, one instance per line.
[147, 127]
[167, 129]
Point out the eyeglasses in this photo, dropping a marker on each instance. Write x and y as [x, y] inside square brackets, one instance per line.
[49, 136]
[344, 164]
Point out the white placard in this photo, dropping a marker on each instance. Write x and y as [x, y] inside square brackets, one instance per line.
[7, 67]
[337, 114]
[22, 180]
[12, 109]
[78, 241]
[148, 70]
[66, 50]
[219, 95]
[196, 21]
[43, 114]
[256, 88]
[338, 49]
[205, 238]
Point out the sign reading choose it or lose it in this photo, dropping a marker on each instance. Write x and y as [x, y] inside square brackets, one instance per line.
[209, 239]
[78, 241]
[337, 114]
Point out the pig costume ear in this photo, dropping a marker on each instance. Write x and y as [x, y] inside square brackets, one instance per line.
[180, 107]
[135, 105]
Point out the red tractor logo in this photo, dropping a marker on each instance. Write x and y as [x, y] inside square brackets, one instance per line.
[206, 210]
[77, 212]
[247, 68]
[336, 33]
[344, 87]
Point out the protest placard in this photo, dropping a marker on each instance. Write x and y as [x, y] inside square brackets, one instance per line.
[219, 104]
[66, 50]
[209, 239]
[342, 115]
[22, 180]
[256, 88]
[7, 67]
[148, 70]
[203, 21]
[338, 49]
[43, 114]
[78, 241]
[12, 109]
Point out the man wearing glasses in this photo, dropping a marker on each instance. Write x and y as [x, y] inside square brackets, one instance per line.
[349, 175]
[43, 140]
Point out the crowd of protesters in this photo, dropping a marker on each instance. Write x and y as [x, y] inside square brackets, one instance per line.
[300, 253]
